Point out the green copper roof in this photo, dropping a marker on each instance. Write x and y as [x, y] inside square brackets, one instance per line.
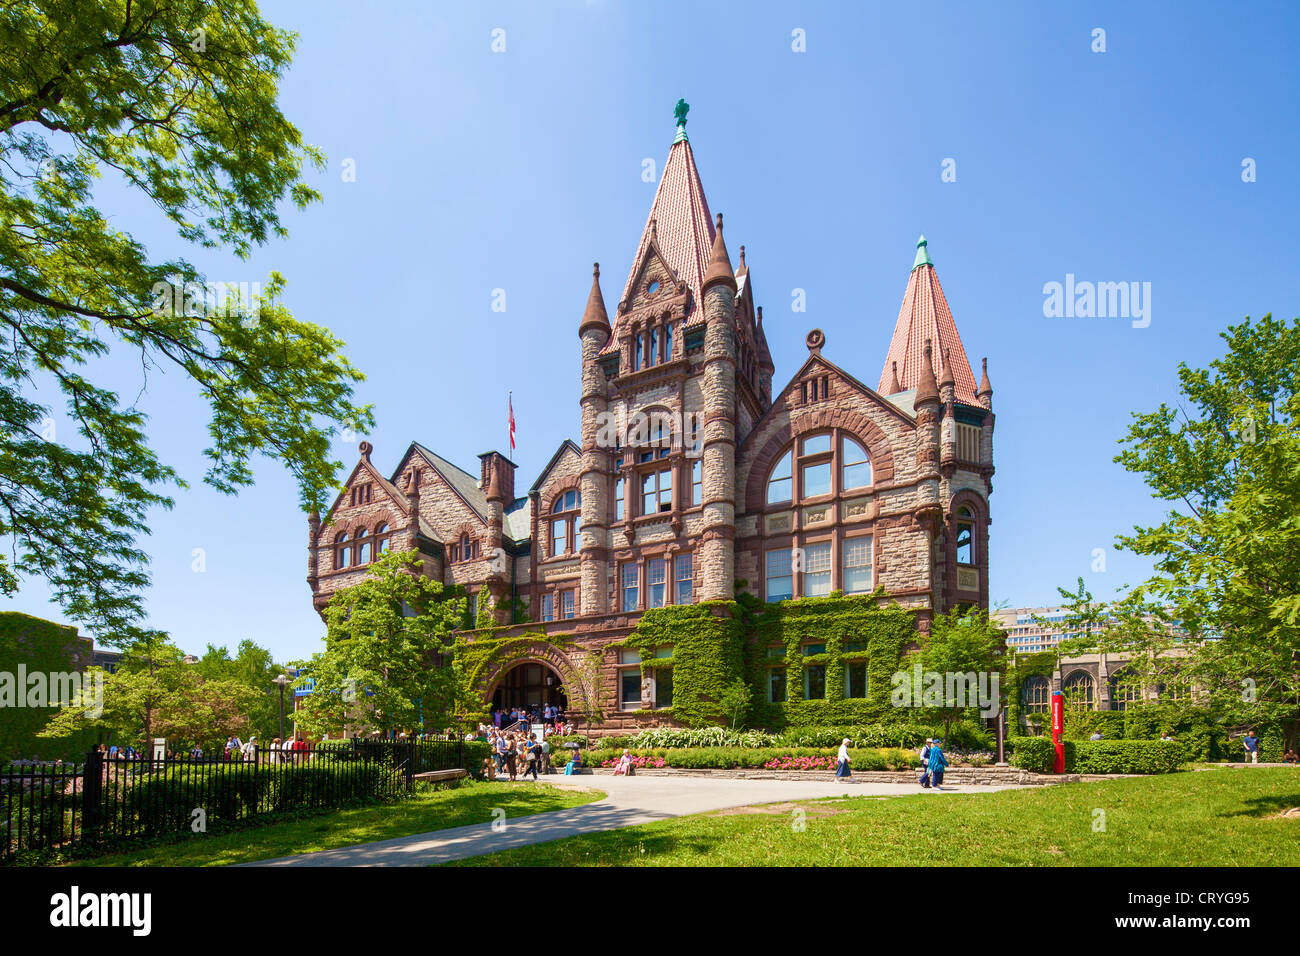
[679, 114]
[922, 255]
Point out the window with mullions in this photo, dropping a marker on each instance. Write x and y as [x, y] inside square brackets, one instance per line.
[631, 582]
[567, 609]
[548, 607]
[814, 682]
[363, 546]
[343, 553]
[657, 492]
[683, 569]
[780, 486]
[656, 582]
[857, 565]
[780, 577]
[697, 482]
[817, 460]
[1036, 695]
[382, 539]
[776, 691]
[619, 492]
[817, 570]
[564, 522]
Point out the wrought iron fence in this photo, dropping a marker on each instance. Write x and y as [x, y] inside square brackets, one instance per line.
[108, 801]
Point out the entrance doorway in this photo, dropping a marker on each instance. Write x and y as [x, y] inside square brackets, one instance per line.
[530, 684]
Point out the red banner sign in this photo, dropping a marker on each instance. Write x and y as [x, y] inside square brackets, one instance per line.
[1058, 730]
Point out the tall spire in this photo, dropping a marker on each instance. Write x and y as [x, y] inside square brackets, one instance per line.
[924, 315]
[719, 261]
[595, 315]
[985, 391]
[680, 225]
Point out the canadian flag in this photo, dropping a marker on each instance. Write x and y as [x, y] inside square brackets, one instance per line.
[511, 401]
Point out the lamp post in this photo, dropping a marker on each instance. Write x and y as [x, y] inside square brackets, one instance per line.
[282, 680]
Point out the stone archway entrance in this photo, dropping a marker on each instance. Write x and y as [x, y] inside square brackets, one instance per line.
[528, 684]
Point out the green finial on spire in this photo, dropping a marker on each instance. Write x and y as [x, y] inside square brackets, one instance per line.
[922, 255]
[679, 114]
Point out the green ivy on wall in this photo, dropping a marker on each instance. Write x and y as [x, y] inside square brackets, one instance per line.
[477, 656]
[707, 642]
[45, 647]
[854, 630]
[1020, 669]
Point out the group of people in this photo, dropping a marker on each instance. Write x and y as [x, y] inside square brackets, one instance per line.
[511, 749]
[276, 752]
[933, 763]
[550, 715]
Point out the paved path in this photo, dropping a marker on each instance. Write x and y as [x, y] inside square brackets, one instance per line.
[629, 801]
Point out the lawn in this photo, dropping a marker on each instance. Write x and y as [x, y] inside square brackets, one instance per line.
[427, 810]
[1210, 818]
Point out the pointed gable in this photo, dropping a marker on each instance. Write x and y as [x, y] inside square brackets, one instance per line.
[924, 316]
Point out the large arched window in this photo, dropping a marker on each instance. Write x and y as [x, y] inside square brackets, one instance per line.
[855, 466]
[817, 466]
[382, 538]
[363, 546]
[343, 551]
[1078, 691]
[564, 522]
[1035, 695]
[780, 486]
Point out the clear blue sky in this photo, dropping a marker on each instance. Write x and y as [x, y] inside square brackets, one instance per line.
[478, 170]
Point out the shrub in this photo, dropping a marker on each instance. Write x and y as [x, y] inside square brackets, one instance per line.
[698, 737]
[1124, 756]
[1035, 754]
[736, 758]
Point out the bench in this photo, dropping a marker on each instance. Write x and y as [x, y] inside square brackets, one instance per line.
[439, 776]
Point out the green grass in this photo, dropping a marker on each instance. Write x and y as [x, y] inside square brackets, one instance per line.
[1211, 818]
[427, 810]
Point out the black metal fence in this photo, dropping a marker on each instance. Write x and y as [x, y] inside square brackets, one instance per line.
[106, 802]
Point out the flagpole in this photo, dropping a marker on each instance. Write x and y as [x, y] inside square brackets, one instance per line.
[510, 414]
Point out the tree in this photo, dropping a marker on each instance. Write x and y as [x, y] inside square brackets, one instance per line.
[962, 643]
[389, 662]
[735, 701]
[177, 99]
[1227, 555]
[154, 693]
[581, 686]
[254, 668]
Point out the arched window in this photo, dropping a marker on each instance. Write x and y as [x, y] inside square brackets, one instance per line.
[1124, 691]
[1035, 695]
[1078, 691]
[382, 539]
[343, 552]
[965, 536]
[855, 466]
[780, 486]
[363, 546]
[564, 522]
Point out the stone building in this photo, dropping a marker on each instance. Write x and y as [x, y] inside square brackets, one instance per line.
[691, 476]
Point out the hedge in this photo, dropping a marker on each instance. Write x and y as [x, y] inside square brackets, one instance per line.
[1038, 755]
[740, 758]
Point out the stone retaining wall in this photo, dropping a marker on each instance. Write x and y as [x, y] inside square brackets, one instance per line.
[962, 776]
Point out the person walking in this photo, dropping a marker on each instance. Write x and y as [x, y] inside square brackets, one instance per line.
[546, 755]
[842, 766]
[512, 757]
[1251, 743]
[925, 763]
[532, 757]
[937, 763]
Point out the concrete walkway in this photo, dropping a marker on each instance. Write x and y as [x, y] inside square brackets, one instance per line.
[628, 802]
